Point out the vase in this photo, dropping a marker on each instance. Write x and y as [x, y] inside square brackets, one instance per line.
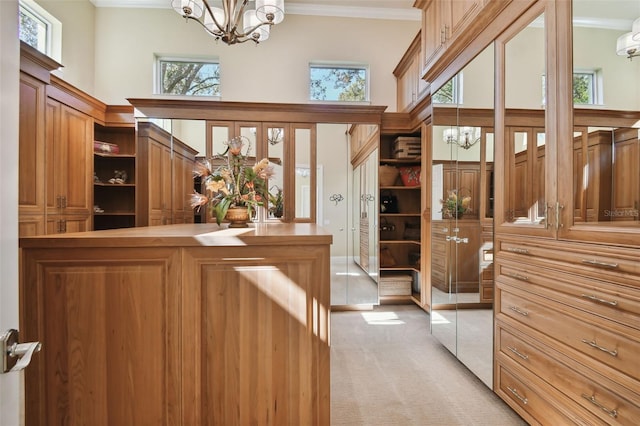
[238, 217]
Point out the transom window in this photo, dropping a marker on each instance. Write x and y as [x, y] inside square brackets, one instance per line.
[187, 77]
[39, 29]
[335, 82]
[585, 87]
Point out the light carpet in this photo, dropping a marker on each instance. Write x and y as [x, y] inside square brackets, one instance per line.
[387, 369]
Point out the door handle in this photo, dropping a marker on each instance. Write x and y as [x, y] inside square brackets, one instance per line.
[16, 356]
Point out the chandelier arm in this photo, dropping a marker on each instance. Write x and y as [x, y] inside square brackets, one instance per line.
[213, 33]
[238, 14]
[252, 29]
[215, 21]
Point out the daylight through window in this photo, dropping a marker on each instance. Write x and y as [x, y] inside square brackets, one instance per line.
[188, 77]
[338, 83]
[33, 29]
[450, 92]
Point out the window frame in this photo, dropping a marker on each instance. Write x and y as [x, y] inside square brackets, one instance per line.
[341, 65]
[458, 82]
[157, 75]
[53, 27]
[596, 86]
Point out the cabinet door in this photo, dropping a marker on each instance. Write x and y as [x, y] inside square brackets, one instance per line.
[625, 172]
[74, 162]
[31, 183]
[69, 159]
[159, 184]
[459, 14]
[432, 33]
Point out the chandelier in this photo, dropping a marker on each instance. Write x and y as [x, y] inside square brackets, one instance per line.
[464, 137]
[232, 23]
[629, 44]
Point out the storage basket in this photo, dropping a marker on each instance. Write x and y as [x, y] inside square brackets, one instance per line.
[387, 175]
[406, 147]
[395, 285]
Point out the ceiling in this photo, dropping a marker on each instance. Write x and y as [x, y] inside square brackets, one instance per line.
[373, 9]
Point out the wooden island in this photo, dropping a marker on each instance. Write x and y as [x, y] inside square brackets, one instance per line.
[188, 324]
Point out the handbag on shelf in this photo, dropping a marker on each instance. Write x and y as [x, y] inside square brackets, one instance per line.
[386, 258]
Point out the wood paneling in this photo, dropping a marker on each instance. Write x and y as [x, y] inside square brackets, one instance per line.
[182, 324]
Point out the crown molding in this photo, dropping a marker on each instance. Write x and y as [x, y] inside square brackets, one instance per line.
[412, 14]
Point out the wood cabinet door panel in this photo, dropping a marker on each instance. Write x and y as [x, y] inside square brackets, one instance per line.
[107, 361]
[270, 314]
[31, 190]
[76, 158]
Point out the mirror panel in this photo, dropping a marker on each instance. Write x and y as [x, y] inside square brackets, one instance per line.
[219, 134]
[525, 91]
[302, 177]
[276, 143]
[606, 152]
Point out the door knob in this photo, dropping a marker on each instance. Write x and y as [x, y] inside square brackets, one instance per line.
[15, 356]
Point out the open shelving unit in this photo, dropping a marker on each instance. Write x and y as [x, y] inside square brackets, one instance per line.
[114, 204]
[400, 230]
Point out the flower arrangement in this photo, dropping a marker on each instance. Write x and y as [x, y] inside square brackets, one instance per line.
[456, 204]
[233, 183]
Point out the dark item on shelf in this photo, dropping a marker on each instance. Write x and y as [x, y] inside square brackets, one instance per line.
[410, 175]
[388, 203]
[386, 226]
[414, 258]
[411, 231]
[407, 147]
[386, 258]
[387, 175]
[105, 147]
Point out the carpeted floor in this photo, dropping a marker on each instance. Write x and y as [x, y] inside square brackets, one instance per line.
[387, 369]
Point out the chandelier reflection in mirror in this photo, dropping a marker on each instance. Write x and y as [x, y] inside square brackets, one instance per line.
[232, 23]
[464, 137]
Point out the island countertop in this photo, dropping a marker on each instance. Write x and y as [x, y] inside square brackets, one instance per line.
[187, 235]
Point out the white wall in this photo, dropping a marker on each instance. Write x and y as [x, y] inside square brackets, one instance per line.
[274, 71]
[11, 401]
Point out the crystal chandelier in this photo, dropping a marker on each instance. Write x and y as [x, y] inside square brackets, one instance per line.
[464, 137]
[232, 23]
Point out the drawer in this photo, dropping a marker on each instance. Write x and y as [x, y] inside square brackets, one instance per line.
[616, 265]
[526, 401]
[605, 400]
[612, 301]
[600, 342]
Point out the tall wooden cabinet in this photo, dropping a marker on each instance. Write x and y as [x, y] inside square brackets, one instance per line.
[164, 177]
[68, 168]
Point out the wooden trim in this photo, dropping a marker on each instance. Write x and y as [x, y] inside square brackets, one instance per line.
[36, 63]
[75, 98]
[119, 116]
[407, 59]
[258, 111]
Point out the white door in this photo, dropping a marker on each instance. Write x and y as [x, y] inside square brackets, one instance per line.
[10, 389]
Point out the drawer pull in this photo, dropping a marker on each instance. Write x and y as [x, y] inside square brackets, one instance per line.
[592, 399]
[593, 344]
[600, 264]
[515, 351]
[518, 310]
[603, 301]
[517, 276]
[517, 395]
[517, 250]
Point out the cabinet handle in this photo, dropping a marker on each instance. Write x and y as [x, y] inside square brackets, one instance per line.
[517, 276]
[597, 299]
[592, 399]
[519, 311]
[446, 32]
[517, 395]
[547, 222]
[593, 344]
[600, 264]
[59, 201]
[558, 208]
[442, 36]
[64, 201]
[515, 351]
[517, 250]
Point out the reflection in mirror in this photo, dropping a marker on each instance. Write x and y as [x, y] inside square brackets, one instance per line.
[219, 135]
[462, 219]
[276, 138]
[606, 154]
[302, 175]
[524, 90]
[348, 214]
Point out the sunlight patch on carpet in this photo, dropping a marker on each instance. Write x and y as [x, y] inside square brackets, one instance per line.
[382, 318]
